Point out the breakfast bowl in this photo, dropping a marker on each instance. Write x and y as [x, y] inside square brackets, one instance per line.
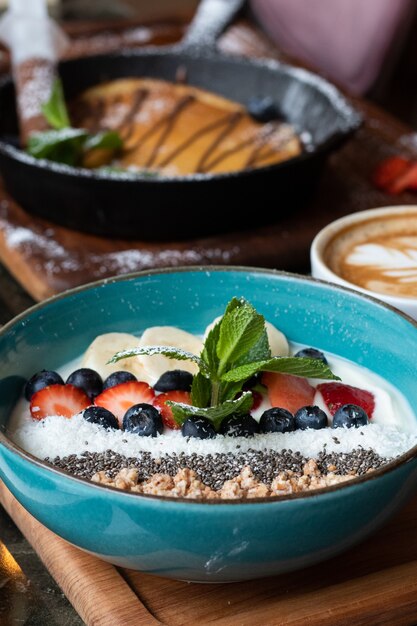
[192, 539]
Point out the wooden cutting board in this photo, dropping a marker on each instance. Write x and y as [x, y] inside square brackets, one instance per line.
[372, 584]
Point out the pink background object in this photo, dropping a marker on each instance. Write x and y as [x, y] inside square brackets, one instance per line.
[345, 39]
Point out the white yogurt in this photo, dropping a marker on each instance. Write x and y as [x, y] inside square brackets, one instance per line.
[393, 429]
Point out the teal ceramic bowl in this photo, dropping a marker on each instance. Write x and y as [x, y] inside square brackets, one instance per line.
[191, 540]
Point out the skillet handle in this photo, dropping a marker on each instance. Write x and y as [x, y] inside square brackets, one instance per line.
[211, 19]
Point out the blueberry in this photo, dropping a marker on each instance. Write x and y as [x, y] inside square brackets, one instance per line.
[311, 353]
[174, 380]
[39, 381]
[198, 427]
[310, 417]
[88, 380]
[350, 416]
[100, 415]
[144, 420]
[117, 378]
[277, 420]
[239, 426]
[263, 109]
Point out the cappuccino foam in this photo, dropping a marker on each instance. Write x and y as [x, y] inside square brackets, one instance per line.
[378, 254]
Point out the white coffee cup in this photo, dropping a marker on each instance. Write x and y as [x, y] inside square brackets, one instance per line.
[357, 224]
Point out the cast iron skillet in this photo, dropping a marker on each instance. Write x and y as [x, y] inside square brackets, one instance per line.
[117, 205]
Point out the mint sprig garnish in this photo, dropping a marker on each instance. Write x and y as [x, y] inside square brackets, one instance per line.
[65, 144]
[234, 350]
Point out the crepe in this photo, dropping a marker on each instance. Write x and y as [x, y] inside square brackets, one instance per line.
[179, 129]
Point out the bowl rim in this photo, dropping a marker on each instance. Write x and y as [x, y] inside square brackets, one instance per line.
[402, 459]
[350, 119]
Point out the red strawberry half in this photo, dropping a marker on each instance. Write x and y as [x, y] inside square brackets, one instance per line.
[287, 391]
[406, 180]
[388, 171]
[65, 400]
[165, 410]
[120, 398]
[336, 395]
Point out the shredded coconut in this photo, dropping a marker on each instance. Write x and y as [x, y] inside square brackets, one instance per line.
[58, 436]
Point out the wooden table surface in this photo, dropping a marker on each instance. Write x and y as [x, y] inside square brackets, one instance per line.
[27, 591]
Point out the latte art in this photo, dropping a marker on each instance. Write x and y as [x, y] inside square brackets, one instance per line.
[379, 255]
[389, 263]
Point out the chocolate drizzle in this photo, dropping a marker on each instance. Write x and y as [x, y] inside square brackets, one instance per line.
[169, 122]
[232, 122]
[190, 140]
[127, 126]
[262, 142]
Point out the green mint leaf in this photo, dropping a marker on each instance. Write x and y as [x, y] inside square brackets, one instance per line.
[307, 368]
[209, 353]
[259, 352]
[216, 414]
[62, 146]
[235, 303]
[240, 329]
[200, 391]
[55, 110]
[168, 351]
[228, 391]
[109, 140]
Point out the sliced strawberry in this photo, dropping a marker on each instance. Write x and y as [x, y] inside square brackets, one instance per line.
[387, 171]
[336, 395]
[165, 410]
[120, 398]
[406, 180]
[65, 400]
[287, 391]
[257, 400]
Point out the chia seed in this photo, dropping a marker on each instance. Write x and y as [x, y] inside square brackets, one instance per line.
[214, 470]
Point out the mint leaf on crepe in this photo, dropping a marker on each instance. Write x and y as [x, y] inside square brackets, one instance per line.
[68, 145]
[61, 146]
[55, 110]
[307, 368]
[216, 413]
[109, 140]
[171, 353]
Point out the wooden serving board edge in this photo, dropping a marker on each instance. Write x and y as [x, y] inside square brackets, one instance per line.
[94, 587]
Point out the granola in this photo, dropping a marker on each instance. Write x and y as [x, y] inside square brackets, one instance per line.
[186, 484]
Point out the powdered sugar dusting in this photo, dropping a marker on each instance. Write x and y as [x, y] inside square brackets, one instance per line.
[56, 260]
